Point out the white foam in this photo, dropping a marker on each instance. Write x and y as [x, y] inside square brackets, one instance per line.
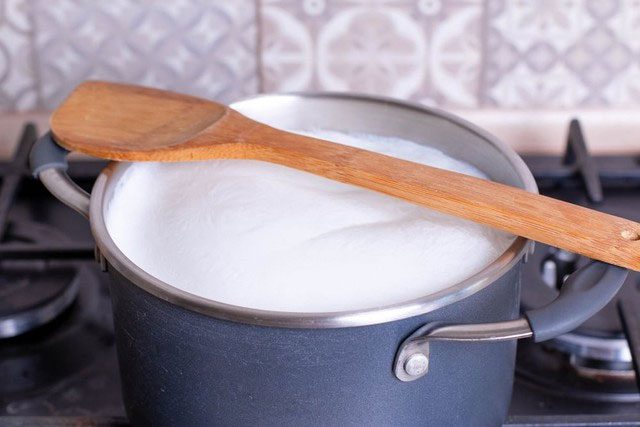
[263, 236]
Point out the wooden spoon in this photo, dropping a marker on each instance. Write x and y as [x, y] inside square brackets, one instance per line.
[123, 122]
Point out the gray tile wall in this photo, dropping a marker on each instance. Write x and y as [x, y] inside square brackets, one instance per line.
[471, 54]
[562, 53]
[18, 81]
[201, 47]
[427, 51]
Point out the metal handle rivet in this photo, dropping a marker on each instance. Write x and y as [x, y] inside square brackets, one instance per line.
[416, 364]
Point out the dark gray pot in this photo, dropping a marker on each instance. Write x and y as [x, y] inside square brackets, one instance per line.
[183, 368]
[443, 359]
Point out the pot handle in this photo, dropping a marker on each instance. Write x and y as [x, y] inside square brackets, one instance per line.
[48, 162]
[583, 294]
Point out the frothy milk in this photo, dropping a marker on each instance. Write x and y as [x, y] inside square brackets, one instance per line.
[264, 236]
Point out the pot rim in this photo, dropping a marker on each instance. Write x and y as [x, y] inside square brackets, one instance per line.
[370, 316]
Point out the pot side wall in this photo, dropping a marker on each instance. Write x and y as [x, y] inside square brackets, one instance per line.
[180, 367]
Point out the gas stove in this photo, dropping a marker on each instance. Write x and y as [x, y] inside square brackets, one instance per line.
[589, 376]
[57, 354]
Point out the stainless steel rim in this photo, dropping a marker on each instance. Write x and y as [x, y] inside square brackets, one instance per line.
[160, 289]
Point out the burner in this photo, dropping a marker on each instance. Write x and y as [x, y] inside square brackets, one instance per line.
[594, 361]
[32, 293]
[30, 298]
[551, 371]
[600, 342]
[33, 363]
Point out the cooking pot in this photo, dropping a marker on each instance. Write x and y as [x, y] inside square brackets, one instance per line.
[443, 359]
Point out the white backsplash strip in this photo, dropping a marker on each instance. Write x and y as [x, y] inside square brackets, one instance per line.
[527, 131]
[545, 132]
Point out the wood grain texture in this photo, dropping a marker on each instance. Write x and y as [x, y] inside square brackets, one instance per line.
[121, 122]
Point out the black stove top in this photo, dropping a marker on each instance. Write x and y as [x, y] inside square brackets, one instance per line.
[57, 357]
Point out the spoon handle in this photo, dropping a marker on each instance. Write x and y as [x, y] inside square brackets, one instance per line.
[574, 228]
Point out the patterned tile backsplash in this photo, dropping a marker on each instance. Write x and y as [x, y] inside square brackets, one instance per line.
[18, 83]
[562, 53]
[458, 54]
[422, 50]
[199, 47]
